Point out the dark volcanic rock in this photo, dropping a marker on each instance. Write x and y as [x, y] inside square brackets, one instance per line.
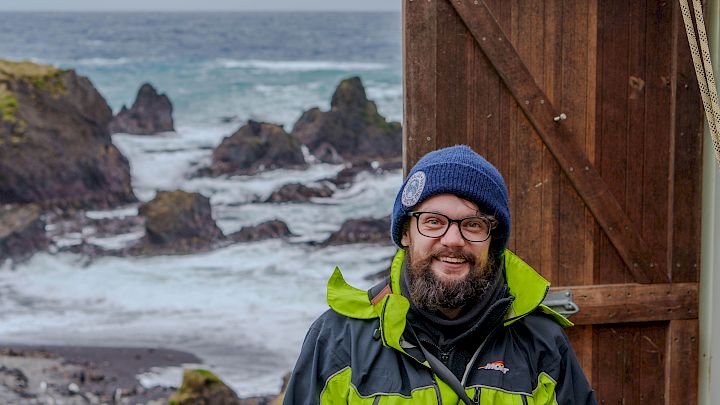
[179, 222]
[255, 147]
[22, 232]
[265, 230]
[346, 176]
[202, 387]
[363, 230]
[352, 129]
[296, 192]
[151, 113]
[54, 144]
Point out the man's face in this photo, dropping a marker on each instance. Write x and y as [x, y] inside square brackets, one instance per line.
[448, 271]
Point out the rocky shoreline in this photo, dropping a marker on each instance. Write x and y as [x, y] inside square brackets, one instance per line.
[81, 375]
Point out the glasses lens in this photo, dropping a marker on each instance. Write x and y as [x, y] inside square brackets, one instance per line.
[432, 225]
[475, 229]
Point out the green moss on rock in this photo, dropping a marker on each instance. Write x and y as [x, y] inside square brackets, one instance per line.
[41, 77]
[201, 386]
[8, 105]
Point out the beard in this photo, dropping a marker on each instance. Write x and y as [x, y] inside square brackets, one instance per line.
[432, 294]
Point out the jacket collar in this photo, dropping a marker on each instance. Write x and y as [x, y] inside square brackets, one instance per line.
[526, 286]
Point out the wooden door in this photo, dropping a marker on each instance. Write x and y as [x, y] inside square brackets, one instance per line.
[591, 111]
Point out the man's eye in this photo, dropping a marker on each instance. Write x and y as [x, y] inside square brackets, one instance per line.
[431, 220]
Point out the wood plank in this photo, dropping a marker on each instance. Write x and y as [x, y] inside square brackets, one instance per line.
[592, 229]
[483, 108]
[687, 162]
[621, 376]
[527, 221]
[550, 257]
[622, 303]
[648, 351]
[419, 64]
[681, 372]
[609, 368]
[451, 89]
[531, 99]
[613, 35]
[633, 117]
[573, 101]
[658, 127]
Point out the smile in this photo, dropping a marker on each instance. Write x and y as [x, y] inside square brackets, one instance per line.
[452, 260]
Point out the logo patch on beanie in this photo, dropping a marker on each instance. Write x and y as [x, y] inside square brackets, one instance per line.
[413, 189]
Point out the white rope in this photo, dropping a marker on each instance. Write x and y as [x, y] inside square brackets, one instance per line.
[703, 70]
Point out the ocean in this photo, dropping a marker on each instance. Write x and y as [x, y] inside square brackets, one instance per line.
[243, 309]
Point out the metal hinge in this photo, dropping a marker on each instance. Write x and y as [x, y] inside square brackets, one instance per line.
[561, 302]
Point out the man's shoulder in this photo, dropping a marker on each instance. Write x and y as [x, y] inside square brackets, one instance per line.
[543, 330]
[334, 323]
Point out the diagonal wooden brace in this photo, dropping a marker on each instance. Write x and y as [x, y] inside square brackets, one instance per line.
[587, 181]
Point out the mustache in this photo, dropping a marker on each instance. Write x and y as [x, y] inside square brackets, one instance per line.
[456, 253]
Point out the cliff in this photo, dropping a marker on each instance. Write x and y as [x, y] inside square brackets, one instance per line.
[55, 149]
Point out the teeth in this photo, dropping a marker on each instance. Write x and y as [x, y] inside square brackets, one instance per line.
[452, 260]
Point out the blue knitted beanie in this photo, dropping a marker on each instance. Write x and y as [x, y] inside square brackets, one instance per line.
[461, 171]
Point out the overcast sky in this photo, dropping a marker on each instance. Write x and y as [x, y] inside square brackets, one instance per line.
[187, 5]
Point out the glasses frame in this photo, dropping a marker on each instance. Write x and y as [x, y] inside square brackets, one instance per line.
[491, 221]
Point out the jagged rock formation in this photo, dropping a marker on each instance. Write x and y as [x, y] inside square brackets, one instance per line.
[352, 129]
[54, 146]
[178, 222]
[266, 230]
[255, 147]
[363, 230]
[347, 175]
[151, 113]
[22, 232]
[297, 192]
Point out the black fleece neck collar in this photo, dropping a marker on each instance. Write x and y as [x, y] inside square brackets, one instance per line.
[474, 320]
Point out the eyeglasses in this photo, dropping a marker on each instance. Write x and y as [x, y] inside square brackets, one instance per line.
[436, 225]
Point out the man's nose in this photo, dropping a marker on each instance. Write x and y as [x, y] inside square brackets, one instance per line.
[453, 237]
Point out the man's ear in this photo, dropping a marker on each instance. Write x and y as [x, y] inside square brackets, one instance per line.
[405, 241]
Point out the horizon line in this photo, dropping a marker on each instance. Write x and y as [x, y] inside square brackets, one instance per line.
[200, 11]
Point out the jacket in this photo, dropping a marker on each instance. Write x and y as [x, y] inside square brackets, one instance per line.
[358, 353]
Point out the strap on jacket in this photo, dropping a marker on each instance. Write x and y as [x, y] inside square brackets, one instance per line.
[377, 292]
[442, 371]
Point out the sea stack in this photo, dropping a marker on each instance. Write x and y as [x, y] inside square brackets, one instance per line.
[351, 130]
[151, 113]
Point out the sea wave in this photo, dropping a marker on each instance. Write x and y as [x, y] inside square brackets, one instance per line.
[296, 66]
[103, 61]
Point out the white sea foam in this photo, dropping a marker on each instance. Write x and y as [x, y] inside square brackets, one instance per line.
[296, 66]
[100, 62]
[243, 310]
[121, 212]
[116, 241]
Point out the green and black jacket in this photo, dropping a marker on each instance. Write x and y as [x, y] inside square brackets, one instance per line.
[357, 352]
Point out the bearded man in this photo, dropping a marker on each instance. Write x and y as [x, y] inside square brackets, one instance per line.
[459, 320]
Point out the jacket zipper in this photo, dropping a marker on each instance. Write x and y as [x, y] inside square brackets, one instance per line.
[524, 399]
[377, 400]
[437, 389]
[477, 395]
[471, 363]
